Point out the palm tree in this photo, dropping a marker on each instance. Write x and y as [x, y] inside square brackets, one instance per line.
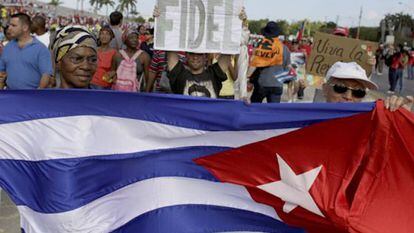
[107, 3]
[403, 26]
[55, 3]
[95, 3]
[127, 5]
[400, 20]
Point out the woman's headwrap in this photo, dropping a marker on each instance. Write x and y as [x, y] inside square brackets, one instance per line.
[71, 37]
[128, 32]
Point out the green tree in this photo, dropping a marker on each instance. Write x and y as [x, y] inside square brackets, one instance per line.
[366, 33]
[400, 20]
[107, 4]
[295, 26]
[96, 4]
[284, 27]
[404, 26]
[255, 26]
[127, 6]
[140, 20]
[328, 27]
[55, 4]
[313, 27]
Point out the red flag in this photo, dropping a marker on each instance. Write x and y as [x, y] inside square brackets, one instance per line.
[300, 32]
[353, 174]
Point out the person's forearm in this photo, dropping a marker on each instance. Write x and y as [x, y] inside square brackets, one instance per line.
[233, 72]
[224, 62]
[52, 82]
[172, 60]
[250, 71]
[146, 76]
[151, 80]
[44, 81]
[3, 76]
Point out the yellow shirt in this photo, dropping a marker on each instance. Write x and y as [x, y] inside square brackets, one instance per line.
[228, 85]
[3, 13]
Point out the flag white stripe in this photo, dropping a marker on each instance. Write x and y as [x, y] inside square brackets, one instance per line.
[105, 214]
[83, 136]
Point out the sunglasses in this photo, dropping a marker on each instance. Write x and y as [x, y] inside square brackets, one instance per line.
[76, 59]
[341, 89]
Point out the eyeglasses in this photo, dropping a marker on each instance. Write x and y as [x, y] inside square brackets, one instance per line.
[80, 59]
[341, 89]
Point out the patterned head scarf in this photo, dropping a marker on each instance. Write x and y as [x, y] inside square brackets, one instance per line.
[71, 37]
[128, 32]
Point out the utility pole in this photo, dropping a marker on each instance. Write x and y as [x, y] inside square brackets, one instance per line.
[359, 24]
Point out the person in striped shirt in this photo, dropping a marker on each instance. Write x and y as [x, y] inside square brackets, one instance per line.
[158, 69]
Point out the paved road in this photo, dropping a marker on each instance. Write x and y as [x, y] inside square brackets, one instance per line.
[9, 218]
[382, 81]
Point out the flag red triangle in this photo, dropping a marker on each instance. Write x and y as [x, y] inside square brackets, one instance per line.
[366, 183]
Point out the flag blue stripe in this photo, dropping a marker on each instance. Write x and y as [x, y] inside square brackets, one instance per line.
[64, 185]
[188, 112]
[203, 218]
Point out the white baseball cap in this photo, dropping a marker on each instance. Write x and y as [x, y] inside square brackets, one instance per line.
[350, 70]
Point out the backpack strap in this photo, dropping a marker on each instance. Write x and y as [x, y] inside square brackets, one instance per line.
[124, 55]
[136, 55]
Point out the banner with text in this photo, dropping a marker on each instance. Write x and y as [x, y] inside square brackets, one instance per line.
[328, 49]
[202, 26]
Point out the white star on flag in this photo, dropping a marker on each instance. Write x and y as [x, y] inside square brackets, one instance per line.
[294, 189]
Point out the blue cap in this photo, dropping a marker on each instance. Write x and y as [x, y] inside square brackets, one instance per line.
[271, 30]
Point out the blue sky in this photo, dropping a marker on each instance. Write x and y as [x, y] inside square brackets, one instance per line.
[347, 11]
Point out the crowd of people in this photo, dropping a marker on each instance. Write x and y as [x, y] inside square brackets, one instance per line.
[53, 20]
[397, 59]
[122, 58]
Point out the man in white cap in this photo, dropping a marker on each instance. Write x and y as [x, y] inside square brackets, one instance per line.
[348, 82]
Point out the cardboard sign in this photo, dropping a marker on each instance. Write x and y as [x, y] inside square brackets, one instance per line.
[328, 49]
[202, 26]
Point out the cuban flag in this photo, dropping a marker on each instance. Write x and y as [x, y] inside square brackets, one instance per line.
[83, 161]
[283, 76]
[301, 30]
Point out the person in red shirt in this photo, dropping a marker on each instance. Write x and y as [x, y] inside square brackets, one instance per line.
[398, 63]
[410, 65]
[143, 34]
[306, 46]
[106, 70]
